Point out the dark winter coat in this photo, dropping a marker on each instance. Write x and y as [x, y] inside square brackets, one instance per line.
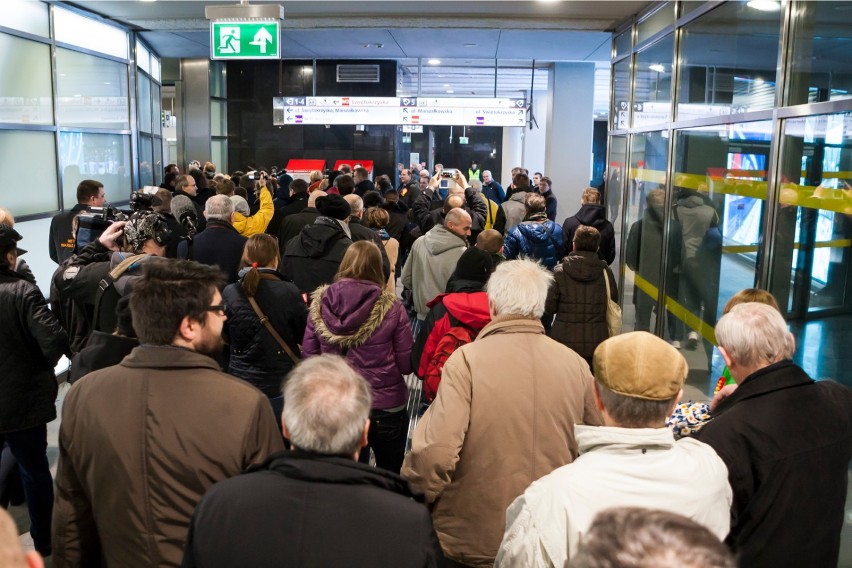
[31, 343]
[61, 239]
[256, 356]
[494, 191]
[428, 210]
[550, 204]
[293, 224]
[218, 245]
[362, 233]
[592, 215]
[541, 241]
[361, 321]
[101, 351]
[301, 509]
[312, 258]
[787, 441]
[578, 298]
[363, 187]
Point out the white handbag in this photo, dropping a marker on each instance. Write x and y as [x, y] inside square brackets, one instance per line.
[613, 310]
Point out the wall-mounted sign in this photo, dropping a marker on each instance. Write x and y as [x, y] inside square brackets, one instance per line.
[407, 111]
[245, 40]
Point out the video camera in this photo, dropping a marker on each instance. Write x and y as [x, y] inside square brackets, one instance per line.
[92, 224]
[140, 201]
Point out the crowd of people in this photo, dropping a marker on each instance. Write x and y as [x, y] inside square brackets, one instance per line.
[240, 346]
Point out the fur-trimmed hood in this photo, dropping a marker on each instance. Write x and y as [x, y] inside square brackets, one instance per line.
[348, 312]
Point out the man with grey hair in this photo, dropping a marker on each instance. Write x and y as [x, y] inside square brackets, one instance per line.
[219, 244]
[288, 511]
[787, 442]
[503, 417]
[433, 259]
[631, 461]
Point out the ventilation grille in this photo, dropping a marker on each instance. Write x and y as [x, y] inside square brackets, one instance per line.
[357, 73]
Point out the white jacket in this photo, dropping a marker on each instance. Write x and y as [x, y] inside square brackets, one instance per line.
[617, 467]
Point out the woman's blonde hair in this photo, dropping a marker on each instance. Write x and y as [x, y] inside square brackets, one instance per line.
[362, 261]
[751, 295]
[316, 175]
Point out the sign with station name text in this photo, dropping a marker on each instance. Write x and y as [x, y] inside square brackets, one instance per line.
[405, 111]
[254, 39]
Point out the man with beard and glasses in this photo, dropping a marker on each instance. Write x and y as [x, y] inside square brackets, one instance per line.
[142, 441]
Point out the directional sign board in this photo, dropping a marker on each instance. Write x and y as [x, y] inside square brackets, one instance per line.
[245, 40]
[406, 111]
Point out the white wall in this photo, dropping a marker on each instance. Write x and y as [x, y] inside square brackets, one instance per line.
[36, 238]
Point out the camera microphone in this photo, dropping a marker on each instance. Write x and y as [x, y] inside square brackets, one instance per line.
[184, 211]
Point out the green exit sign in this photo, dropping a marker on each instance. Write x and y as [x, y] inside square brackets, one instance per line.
[244, 40]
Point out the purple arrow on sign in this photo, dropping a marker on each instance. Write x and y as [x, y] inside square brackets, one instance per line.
[480, 120]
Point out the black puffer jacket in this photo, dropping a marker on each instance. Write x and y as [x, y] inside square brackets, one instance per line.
[592, 215]
[256, 356]
[31, 342]
[312, 259]
[578, 298]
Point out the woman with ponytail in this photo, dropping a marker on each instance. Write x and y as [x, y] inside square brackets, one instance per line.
[256, 354]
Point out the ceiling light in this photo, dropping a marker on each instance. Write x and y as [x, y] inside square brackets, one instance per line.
[470, 45]
[434, 62]
[450, 92]
[658, 67]
[446, 84]
[765, 5]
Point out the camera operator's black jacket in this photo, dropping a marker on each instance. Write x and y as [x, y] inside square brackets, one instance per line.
[61, 245]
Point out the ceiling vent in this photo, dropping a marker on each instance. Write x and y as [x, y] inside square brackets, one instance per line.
[357, 73]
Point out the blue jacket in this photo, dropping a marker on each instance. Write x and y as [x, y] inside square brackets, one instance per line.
[541, 241]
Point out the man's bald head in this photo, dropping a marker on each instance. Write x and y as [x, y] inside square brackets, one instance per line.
[458, 222]
[312, 198]
[453, 202]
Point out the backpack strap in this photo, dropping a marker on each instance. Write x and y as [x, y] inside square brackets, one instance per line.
[549, 234]
[264, 321]
[110, 279]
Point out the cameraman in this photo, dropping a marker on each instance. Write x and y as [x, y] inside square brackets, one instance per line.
[428, 208]
[90, 193]
[76, 284]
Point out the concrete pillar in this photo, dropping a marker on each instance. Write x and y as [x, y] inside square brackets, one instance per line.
[569, 132]
[513, 154]
[192, 107]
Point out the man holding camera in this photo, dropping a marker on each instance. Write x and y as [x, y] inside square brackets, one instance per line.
[90, 193]
[435, 201]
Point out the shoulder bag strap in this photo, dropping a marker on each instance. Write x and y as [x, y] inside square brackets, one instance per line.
[549, 234]
[264, 321]
[606, 282]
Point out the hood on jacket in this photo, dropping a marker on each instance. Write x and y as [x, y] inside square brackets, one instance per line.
[318, 238]
[439, 240]
[125, 282]
[470, 308]
[317, 468]
[535, 232]
[592, 214]
[347, 312]
[519, 196]
[583, 266]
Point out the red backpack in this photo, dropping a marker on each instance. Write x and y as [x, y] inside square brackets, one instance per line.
[458, 335]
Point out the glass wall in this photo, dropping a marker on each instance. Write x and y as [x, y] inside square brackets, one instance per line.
[758, 189]
[82, 70]
[149, 117]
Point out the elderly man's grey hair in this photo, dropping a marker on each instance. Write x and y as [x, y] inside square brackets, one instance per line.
[219, 207]
[326, 405]
[519, 287]
[356, 204]
[754, 334]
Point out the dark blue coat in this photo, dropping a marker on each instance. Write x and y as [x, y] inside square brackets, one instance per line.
[217, 245]
[541, 241]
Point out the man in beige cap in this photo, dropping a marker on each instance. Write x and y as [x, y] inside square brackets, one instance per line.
[631, 461]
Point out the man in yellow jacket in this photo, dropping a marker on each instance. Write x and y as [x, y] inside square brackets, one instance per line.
[257, 223]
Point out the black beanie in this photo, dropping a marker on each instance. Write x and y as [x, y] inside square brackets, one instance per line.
[334, 206]
[474, 264]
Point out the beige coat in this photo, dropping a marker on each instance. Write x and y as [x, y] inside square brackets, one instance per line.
[139, 445]
[504, 417]
[392, 249]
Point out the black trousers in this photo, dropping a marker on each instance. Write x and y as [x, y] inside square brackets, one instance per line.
[386, 438]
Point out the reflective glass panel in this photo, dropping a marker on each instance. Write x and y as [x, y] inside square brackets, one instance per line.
[623, 42]
[143, 57]
[219, 153]
[158, 161]
[716, 221]
[652, 92]
[155, 68]
[217, 79]
[102, 157]
[813, 237]
[218, 118]
[35, 154]
[614, 195]
[621, 104]
[656, 22]
[146, 161]
[643, 209]
[26, 94]
[92, 91]
[143, 103]
[821, 58]
[728, 61]
[89, 33]
[26, 16]
[156, 108]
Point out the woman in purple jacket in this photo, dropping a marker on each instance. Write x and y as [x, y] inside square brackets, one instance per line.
[356, 318]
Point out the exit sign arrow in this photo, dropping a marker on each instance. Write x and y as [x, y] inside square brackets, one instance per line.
[261, 38]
